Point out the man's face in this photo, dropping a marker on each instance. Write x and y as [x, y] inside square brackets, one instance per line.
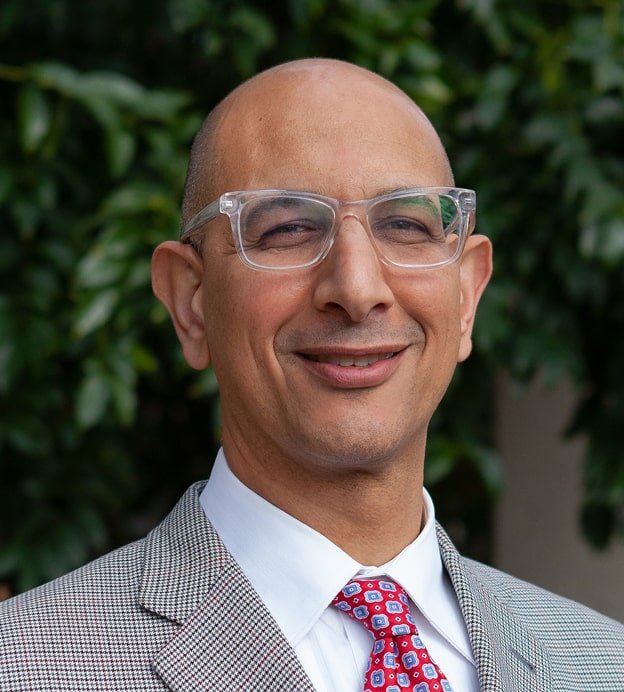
[338, 366]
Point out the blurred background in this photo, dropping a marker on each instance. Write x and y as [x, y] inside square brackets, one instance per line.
[102, 426]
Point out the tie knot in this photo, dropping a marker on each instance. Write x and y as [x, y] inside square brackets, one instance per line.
[381, 605]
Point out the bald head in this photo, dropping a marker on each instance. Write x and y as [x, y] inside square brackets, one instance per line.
[282, 112]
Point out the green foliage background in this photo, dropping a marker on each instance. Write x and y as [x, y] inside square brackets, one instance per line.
[101, 423]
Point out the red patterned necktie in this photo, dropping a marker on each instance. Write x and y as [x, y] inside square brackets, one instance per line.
[399, 660]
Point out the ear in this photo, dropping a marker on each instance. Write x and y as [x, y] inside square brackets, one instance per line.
[475, 269]
[177, 273]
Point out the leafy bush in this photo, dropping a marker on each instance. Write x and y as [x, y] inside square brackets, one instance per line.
[101, 424]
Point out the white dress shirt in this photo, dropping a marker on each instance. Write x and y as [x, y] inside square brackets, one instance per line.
[297, 572]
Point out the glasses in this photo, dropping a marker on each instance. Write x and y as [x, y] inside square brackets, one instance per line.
[419, 228]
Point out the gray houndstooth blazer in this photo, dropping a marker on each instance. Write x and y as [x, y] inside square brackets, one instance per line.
[175, 612]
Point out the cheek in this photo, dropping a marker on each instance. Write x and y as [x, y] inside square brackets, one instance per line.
[446, 326]
[245, 309]
[432, 299]
[434, 304]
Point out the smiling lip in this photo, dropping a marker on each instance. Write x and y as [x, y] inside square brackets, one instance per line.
[354, 369]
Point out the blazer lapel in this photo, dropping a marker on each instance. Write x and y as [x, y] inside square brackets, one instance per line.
[509, 658]
[226, 639]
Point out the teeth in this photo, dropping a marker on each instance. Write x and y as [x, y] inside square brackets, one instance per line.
[363, 361]
[352, 361]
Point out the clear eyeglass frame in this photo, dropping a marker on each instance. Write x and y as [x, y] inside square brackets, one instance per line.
[231, 204]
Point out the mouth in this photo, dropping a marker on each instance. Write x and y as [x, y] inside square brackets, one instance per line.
[353, 368]
[349, 361]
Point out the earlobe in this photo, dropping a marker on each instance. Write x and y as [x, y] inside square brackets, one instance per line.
[177, 273]
[475, 271]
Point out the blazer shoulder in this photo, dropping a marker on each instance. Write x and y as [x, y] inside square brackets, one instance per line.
[527, 638]
[585, 649]
[535, 603]
[112, 575]
[86, 625]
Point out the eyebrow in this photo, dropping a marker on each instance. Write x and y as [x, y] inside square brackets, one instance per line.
[267, 205]
[401, 188]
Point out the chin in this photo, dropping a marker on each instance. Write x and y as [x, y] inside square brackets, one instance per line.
[352, 449]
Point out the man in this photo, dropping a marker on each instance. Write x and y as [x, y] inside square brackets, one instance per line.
[333, 304]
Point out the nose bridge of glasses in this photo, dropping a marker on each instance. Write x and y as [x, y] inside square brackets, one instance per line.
[358, 232]
[353, 210]
[349, 213]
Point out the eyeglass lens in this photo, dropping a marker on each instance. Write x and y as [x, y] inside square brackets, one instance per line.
[283, 231]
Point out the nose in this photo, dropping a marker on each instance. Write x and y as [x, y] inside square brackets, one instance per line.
[351, 278]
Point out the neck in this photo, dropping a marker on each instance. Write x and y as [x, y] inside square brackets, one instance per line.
[370, 514]
[366, 518]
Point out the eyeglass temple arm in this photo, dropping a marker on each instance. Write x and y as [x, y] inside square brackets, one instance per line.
[206, 214]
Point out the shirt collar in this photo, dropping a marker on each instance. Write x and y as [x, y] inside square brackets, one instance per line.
[297, 572]
[419, 570]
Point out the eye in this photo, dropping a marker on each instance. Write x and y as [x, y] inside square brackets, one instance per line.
[282, 236]
[406, 229]
[405, 223]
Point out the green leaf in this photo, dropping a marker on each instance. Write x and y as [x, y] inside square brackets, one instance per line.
[59, 76]
[433, 88]
[103, 110]
[609, 73]
[26, 215]
[120, 149]
[421, 56]
[96, 312]
[97, 269]
[140, 274]
[442, 458]
[114, 87]
[31, 437]
[91, 525]
[163, 104]
[495, 95]
[205, 384]
[604, 241]
[254, 33]
[438, 468]
[34, 117]
[143, 360]
[92, 400]
[490, 468]
[132, 198]
[124, 399]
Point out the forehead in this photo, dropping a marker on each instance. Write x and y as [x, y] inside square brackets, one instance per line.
[340, 131]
